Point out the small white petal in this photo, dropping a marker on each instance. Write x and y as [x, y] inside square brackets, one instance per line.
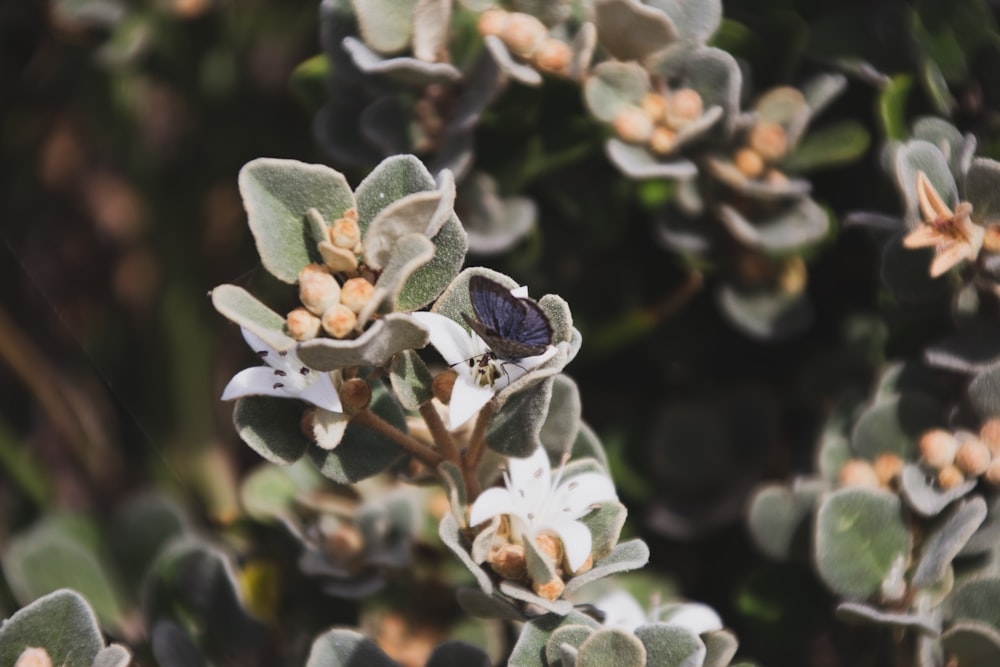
[448, 337]
[531, 479]
[622, 611]
[490, 503]
[513, 370]
[256, 381]
[576, 494]
[321, 392]
[467, 398]
[576, 541]
[695, 617]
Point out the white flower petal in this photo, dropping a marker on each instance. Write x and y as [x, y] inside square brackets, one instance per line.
[530, 479]
[321, 393]
[694, 617]
[490, 503]
[467, 398]
[512, 370]
[622, 611]
[256, 381]
[448, 337]
[575, 495]
[576, 541]
[520, 292]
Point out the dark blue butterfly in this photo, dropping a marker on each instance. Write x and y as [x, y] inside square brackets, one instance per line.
[512, 327]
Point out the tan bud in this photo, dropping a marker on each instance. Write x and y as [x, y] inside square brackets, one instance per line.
[887, 468]
[972, 458]
[550, 590]
[492, 22]
[654, 105]
[859, 472]
[318, 290]
[302, 325]
[550, 545]
[749, 162]
[523, 34]
[793, 276]
[338, 260]
[345, 233]
[355, 394]
[633, 125]
[587, 565]
[949, 477]
[553, 56]
[769, 140]
[444, 383]
[663, 140]
[356, 293]
[351, 213]
[509, 562]
[308, 422]
[938, 448]
[990, 434]
[775, 177]
[993, 473]
[991, 238]
[345, 543]
[33, 657]
[683, 106]
[339, 321]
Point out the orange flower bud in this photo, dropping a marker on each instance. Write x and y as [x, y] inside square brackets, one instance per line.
[302, 325]
[633, 125]
[938, 448]
[356, 293]
[318, 290]
[858, 472]
[769, 140]
[339, 321]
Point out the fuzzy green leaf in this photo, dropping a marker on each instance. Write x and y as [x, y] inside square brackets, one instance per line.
[515, 429]
[612, 647]
[451, 535]
[411, 381]
[385, 24]
[671, 646]
[916, 156]
[630, 555]
[972, 644]
[271, 427]
[765, 315]
[243, 308]
[530, 649]
[375, 347]
[631, 30]
[947, 540]
[830, 146]
[613, 87]
[922, 493]
[346, 648]
[778, 518]
[982, 190]
[892, 426]
[800, 223]
[562, 423]
[61, 622]
[566, 635]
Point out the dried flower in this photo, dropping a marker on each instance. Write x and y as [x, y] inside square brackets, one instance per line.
[952, 234]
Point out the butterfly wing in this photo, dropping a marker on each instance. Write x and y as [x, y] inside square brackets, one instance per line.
[512, 327]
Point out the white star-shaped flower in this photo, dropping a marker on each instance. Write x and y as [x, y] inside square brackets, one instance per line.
[539, 503]
[622, 611]
[480, 376]
[285, 376]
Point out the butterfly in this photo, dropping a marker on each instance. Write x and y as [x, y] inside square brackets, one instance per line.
[512, 327]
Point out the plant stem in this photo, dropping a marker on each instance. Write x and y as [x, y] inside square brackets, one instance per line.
[474, 452]
[419, 450]
[441, 435]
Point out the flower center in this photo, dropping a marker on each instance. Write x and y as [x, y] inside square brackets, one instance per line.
[486, 370]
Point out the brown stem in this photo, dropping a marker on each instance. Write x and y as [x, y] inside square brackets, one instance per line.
[474, 452]
[442, 437]
[419, 450]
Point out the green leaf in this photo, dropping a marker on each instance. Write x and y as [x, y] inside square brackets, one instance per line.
[530, 649]
[272, 427]
[778, 519]
[671, 646]
[605, 524]
[613, 87]
[562, 423]
[61, 622]
[799, 223]
[630, 555]
[972, 644]
[765, 315]
[516, 428]
[721, 646]
[394, 178]
[915, 156]
[830, 146]
[613, 647]
[892, 426]
[982, 190]
[243, 308]
[140, 529]
[115, 655]
[946, 541]
[631, 30]
[453, 653]
[892, 107]
[923, 495]
[48, 557]
[411, 381]
[427, 282]
[276, 194]
[860, 537]
[566, 635]
[978, 599]
[451, 535]
[346, 648]
[382, 339]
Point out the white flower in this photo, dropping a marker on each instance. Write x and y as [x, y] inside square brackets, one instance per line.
[694, 617]
[622, 611]
[479, 377]
[538, 503]
[285, 376]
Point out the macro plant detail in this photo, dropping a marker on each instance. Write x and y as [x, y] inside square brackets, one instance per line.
[552, 318]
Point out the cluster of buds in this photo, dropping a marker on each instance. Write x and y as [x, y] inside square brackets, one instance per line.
[527, 38]
[507, 559]
[766, 144]
[657, 120]
[882, 473]
[963, 455]
[333, 293]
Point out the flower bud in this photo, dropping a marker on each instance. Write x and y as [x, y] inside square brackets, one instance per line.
[775, 178]
[972, 458]
[33, 657]
[938, 448]
[663, 140]
[318, 290]
[444, 383]
[949, 477]
[509, 562]
[992, 474]
[749, 162]
[858, 472]
[887, 468]
[769, 140]
[990, 435]
[337, 260]
[302, 325]
[587, 565]
[553, 56]
[633, 125]
[344, 233]
[339, 321]
[991, 238]
[356, 293]
[308, 422]
[550, 546]
[345, 543]
[654, 105]
[683, 106]
[355, 394]
[492, 22]
[550, 590]
[523, 34]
